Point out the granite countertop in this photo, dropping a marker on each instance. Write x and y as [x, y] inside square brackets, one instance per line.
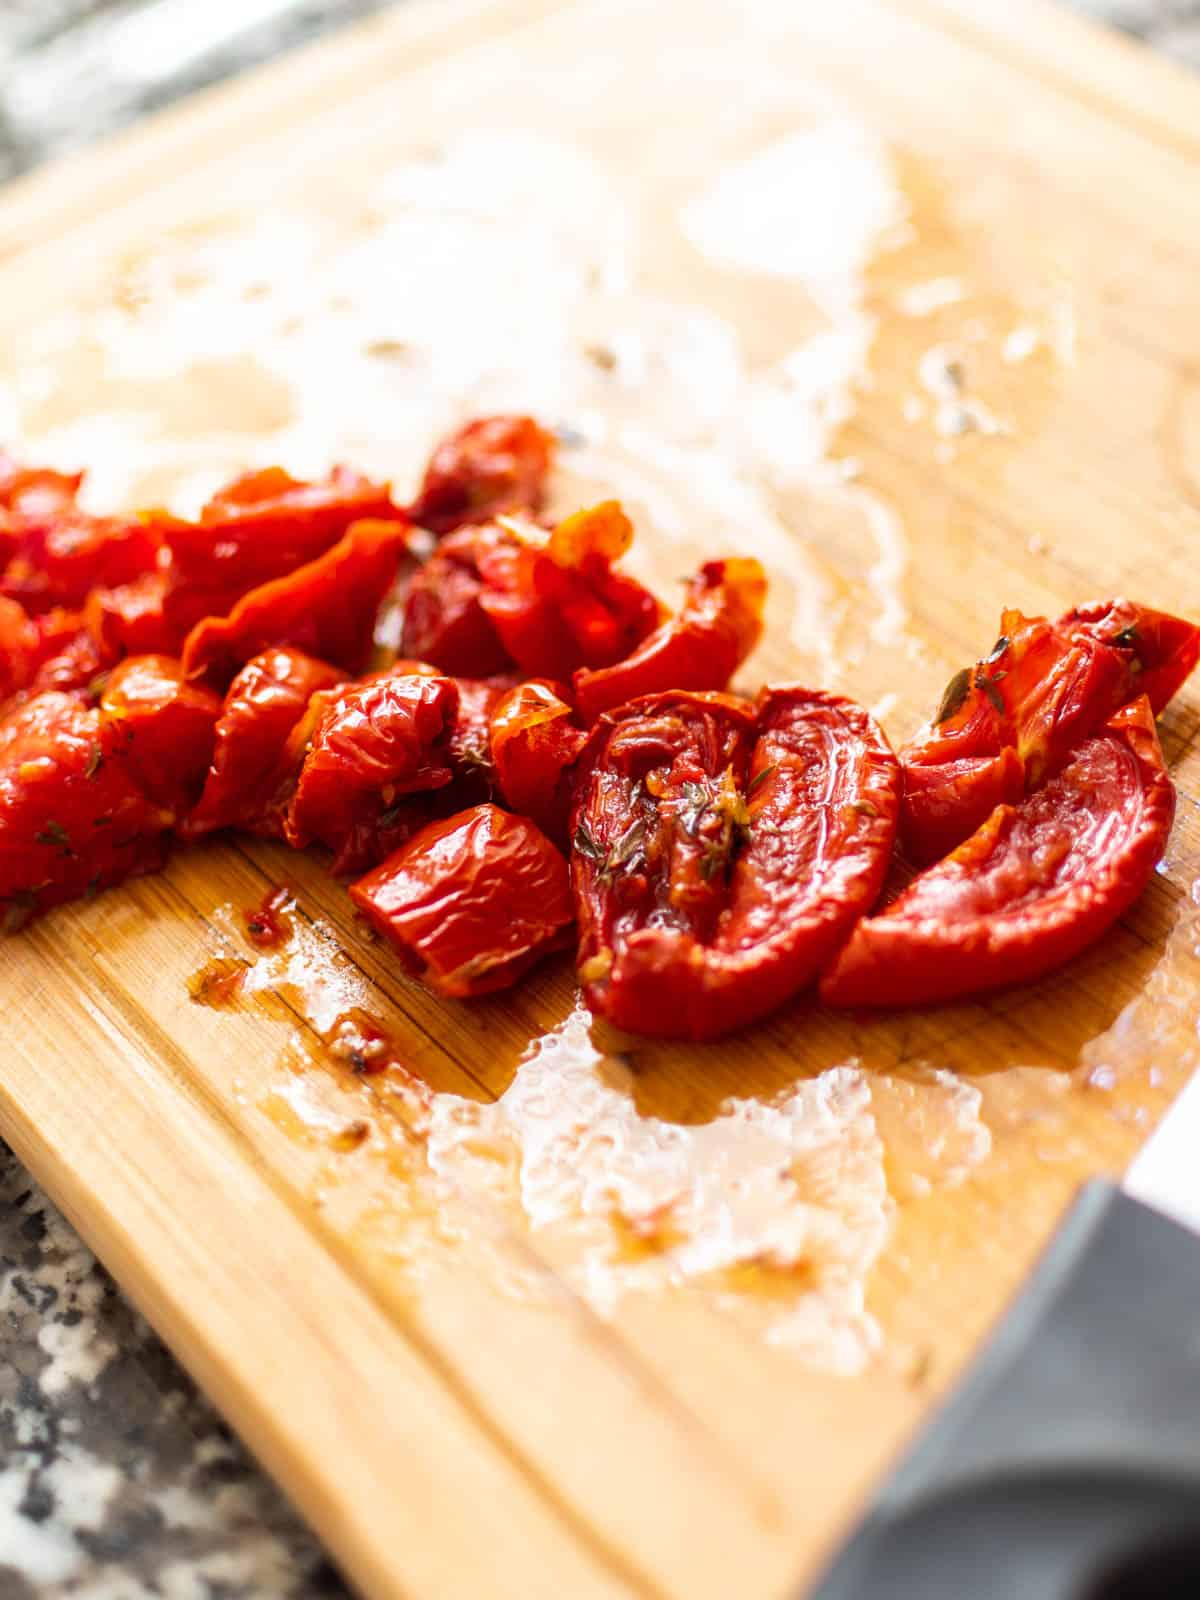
[117, 1480]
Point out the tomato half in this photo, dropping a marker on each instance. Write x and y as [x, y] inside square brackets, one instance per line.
[250, 762]
[701, 648]
[491, 466]
[326, 608]
[471, 901]
[1032, 887]
[722, 852]
[374, 745]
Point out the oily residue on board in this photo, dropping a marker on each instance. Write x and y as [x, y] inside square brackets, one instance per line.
[774, 1211]
[506, 271]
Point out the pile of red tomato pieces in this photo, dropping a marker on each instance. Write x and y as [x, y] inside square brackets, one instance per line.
[555, 755]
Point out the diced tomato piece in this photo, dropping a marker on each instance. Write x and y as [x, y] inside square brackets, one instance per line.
[73, 819]
[471, 901]
[373, 746]
[251, 761]
[535, 744]
[161, 727]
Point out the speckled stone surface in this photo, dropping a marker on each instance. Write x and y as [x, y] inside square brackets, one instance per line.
[117, 1480]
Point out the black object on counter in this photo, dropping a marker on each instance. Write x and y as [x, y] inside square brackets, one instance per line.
[1066, 1466]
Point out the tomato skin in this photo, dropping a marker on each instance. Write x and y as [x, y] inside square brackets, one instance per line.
[161, 727]
[326, 608]
[491, 466]
[682, 932]
[507, 594]
[535, 742]
[72, 818]
[250, 762]
[373, 745]
[1033, 886]
[471, 901]
[701, 648]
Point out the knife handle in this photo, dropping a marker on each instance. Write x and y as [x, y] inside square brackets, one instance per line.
[1066, 1466]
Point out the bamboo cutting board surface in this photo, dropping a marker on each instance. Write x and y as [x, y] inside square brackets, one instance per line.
[901, 295]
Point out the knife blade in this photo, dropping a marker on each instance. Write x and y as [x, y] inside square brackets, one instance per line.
[1066, 1465]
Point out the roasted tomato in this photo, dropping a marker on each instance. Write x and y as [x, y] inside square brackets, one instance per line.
[72, 817]
[443, 619]
[723, 851]
[1163, 649]
[326, 608]
[701, 648]
[1036, 884]
[374, 745]
[261, 527]
[491, 466]
[131, 620]
[1011, 721]
[53, 650]
[509, 594]
[19, 648]
[58, 556]
[470, 902]
[535, 743]
[470, 737]
[251, 761]
[160, 727]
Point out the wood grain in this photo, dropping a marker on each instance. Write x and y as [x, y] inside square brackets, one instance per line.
[444, 1433]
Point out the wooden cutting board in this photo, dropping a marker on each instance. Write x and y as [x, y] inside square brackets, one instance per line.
[617, 1337]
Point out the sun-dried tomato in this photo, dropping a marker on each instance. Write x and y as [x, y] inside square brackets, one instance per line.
[250, 764]
[489, 467]
[73, 819]
[57, 557]
[1010, 722]
[161, 727]
[535, 743]
[509, 594]
[1162, 649]
[374, 746]
[470, 738]
[1033, 886]
[471, 901]
[700, 648]
[723, 851]
[326, 608]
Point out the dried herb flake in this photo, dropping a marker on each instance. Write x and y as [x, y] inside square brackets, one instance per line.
[955, 694]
